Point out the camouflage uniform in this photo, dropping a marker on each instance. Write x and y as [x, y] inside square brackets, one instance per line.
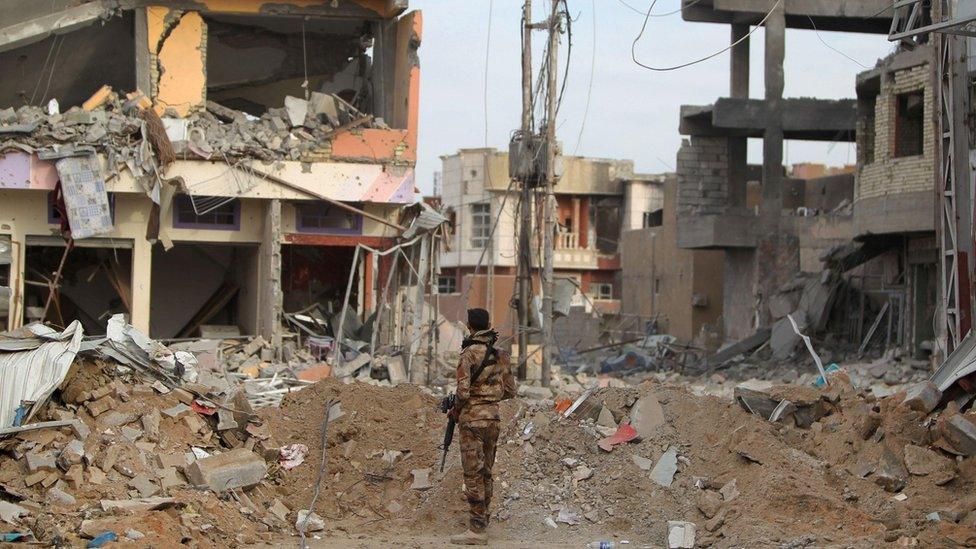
[478, 421]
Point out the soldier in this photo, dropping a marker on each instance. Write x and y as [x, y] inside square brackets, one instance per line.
[484, 378]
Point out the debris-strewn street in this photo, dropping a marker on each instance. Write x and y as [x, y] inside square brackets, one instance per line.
[547, 273]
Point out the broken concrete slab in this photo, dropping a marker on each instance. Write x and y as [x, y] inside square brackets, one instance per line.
[681, 534]
[647, 416]
[605, 419]
[11, 513]
[57, 496]
[642, 463]
[923, 397]
[169, 477]
[239, 468]
[922, 461]
[297, 110]
[783, 339]
[143, 485]
[960, 433]
[663, 472]
[41, 461]
[890, 473]
[150, 424]
[421, 479]
[177, 411]
[137, 505]
[73, 453]
[279, 510]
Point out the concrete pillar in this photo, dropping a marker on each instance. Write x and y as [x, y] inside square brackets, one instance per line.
[739, 89]
[577, 212]
[739, 67]
[270, 294]
[141, 284]
[143, 71]
[18, 266]
[772, 189]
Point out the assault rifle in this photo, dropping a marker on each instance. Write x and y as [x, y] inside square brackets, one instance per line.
[446, 405]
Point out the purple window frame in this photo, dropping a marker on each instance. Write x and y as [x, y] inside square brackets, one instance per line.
[182, 201]
[300, 227]
[51, 220]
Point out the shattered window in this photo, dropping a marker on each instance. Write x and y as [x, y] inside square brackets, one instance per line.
[480, 225]
[909, 127]
[326, 218]
[187, 213]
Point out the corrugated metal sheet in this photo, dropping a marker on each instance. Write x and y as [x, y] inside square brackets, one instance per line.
[33, 375]
[428, 220]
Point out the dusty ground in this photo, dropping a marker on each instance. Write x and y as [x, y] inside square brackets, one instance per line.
[742, 480]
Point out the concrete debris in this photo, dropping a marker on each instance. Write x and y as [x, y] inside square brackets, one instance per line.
[137, 505]
[308, 521]
[647, 416]
[230, 470]
[11, 513]
[421, 479]
[643, 463]
[922, 461]
[923, 397]
[57, 496]
[666, 467]
[681, 535]
[960, 433]
[890, 473]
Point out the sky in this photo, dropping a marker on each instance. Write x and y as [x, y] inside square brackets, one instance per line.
[633, 112]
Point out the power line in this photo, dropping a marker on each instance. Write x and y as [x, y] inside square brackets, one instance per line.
[589, 87]
[824, 42]
[633, 46]
[635, 10]
[491, 9]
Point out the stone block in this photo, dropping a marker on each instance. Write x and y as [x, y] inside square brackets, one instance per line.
[238, 468]
[41, 461]
[647, 416]
[961, 434]
[923, 397]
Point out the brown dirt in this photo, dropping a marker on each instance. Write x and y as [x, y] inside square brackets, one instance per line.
[796, 487]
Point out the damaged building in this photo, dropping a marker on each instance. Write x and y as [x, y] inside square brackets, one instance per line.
[219, 172]
[597, 200]
[770, 226]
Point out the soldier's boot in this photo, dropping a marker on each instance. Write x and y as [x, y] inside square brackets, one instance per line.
[470, 538]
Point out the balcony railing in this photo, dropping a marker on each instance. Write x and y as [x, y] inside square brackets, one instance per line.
[567, 241]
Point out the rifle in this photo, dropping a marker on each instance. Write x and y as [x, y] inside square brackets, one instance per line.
[446, 405]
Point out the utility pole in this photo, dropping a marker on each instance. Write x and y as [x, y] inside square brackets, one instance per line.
[525, 206]
[550, 221]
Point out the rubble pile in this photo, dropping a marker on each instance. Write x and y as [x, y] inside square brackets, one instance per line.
[116, 125]
[135, 458]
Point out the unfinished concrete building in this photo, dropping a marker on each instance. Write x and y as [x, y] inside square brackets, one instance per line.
[597, 199]
[894, 199]
[206, 163]
[761, 244]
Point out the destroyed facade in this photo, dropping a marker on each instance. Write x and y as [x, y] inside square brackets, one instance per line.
[767, 236]
[219, 162]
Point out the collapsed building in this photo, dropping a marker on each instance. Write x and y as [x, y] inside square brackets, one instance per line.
[771, 226]
[233, 162]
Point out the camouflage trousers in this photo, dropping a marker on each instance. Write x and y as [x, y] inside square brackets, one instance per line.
[478, 442]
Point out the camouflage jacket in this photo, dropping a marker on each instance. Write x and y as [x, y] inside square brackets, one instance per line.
[479, 400]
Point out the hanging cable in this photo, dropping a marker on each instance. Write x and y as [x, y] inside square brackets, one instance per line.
[633, 46]
[635, 10]
[824, 42]
[589, 87]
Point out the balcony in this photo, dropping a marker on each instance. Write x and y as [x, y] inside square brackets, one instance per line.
[570, 254]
